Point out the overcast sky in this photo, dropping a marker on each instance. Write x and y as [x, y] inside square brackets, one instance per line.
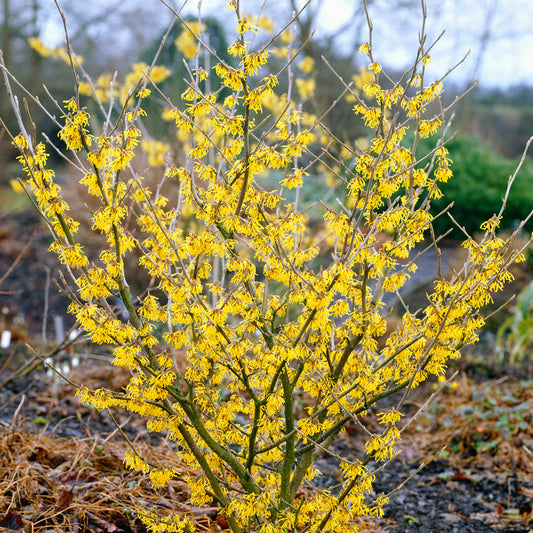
[508, 24]
[508, 57]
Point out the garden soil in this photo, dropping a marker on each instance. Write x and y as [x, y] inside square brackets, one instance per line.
[61, 463]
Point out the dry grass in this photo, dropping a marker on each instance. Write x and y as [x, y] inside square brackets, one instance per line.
[80, 485]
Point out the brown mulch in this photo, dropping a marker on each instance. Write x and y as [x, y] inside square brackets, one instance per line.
[61, 465]
[487, 424]
[478, 437]
[69, 485]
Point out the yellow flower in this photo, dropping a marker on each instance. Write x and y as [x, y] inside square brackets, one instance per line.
[364, 49]
[253, 62]
[187, 42]
[158, 74]
[492, 224]
[133, 461]
[144, 93]
[59, 52]
[306, 65]
[160, 477]
[390, 417]
[39, 47]
[266, 24]
[306, 88]
[156, 151]
[16, 186]
[429, 127]
[72, 255]
[244, 26]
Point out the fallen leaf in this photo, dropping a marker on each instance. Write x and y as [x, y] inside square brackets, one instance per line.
[451, 518]
[64, 501]
[12, 521]
[222, 522]
[461, 476]
[526, 491]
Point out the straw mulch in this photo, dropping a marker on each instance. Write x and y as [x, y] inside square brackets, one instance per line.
[67, 485]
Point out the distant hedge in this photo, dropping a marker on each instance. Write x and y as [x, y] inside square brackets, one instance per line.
[479, 183]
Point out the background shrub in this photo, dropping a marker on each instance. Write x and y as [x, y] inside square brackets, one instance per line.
[479, 184]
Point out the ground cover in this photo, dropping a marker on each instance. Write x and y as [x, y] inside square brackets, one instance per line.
[61, 463]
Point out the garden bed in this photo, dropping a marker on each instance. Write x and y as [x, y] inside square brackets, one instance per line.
[61, 463]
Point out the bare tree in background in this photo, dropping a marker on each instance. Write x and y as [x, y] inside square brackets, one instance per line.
[116, 32]
[107, 36]
[20, 20]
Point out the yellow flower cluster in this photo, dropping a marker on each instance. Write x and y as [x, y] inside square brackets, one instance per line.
[58, 52]
[139, 73]
[101, 88]
[187, 41]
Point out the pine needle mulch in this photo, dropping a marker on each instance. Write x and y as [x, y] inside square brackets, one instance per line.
[480, 439]
[80, 485]
[67, 485]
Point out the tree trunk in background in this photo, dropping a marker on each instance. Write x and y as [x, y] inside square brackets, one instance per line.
[6, 32]
[36, 60]
[465, 110]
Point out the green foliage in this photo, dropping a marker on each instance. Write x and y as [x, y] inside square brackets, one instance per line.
[479, 184]
[516, 333]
